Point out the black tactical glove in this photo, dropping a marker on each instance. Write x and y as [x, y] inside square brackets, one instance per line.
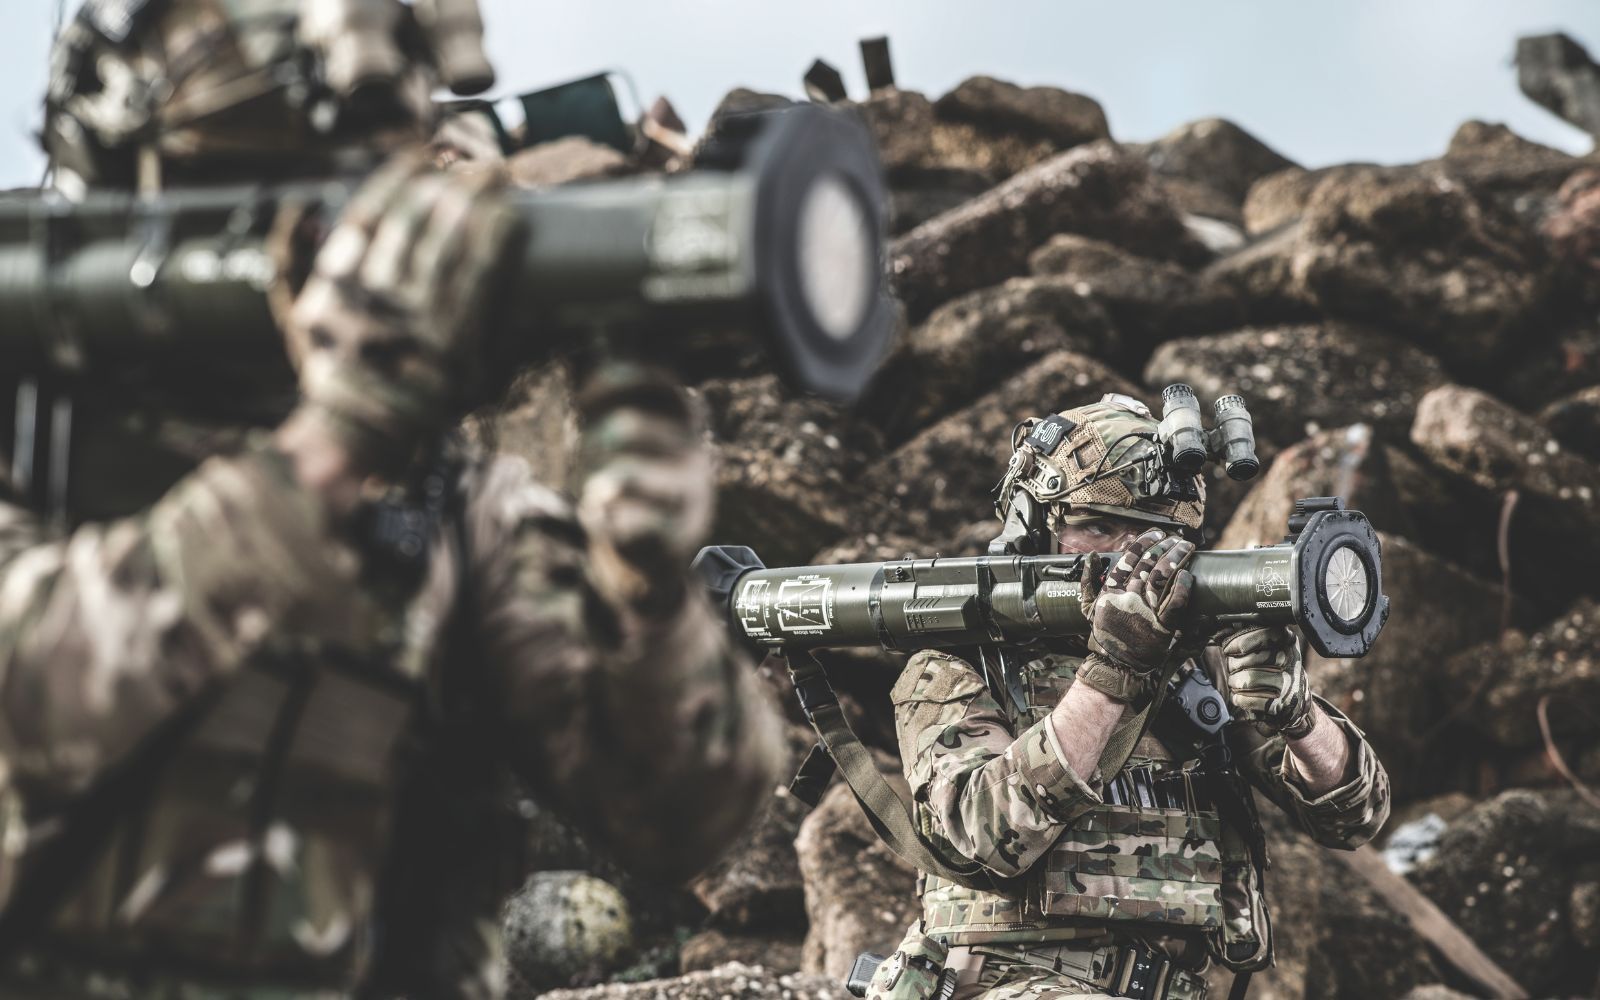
[1264, 679]
[1133, 617]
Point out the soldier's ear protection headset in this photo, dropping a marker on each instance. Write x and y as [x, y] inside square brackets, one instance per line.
[1159, 465]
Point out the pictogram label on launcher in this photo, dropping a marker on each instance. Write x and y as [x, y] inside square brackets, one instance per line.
[751, 608]
[1272, 583]
[804, 604]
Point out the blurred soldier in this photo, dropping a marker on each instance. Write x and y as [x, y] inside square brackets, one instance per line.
[1114, 859]
[245, 728]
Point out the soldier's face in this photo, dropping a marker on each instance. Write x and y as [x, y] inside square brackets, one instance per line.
[1102, 534]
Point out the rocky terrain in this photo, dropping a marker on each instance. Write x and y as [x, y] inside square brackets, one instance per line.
[1423, 340]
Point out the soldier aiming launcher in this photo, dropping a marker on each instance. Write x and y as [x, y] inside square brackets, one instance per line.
[1324, 578]
[1110, 457]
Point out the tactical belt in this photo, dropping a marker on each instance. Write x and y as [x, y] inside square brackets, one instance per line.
[1126, 969]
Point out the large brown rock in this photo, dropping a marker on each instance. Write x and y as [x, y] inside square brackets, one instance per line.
[1493, 140]
[1497, 448]
[1401, 690]
[1279, 198]
[1572, 231]
[970, 344]
[916, 197]
[1459, 524]
[1423, 250]
[1491, 159]
[1300, 378]
[747, 982]
[1095, 190]
[1058, 116]
[1260, 274]
[1518, 176]
[984, 127]
[859, 895]
[788, 467]
[1503, 872]
[1408, 248]
[943, 478]
[1420, 255]
[1216, 153]
[1492, 449]
[1149, 301]
[1344, 462]
[1513, 675]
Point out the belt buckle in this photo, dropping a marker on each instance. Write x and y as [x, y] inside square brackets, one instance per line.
[1141, 973]
[814, 692]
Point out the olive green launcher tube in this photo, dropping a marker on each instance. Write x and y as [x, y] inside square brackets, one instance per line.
[1325, 580]
[964, 601]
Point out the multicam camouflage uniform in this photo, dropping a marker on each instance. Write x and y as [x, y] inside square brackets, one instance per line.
[283, 738]
[1076, 875]
[260, 847]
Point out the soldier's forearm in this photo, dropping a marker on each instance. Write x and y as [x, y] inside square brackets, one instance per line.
[1083, 721]
[1320, 760]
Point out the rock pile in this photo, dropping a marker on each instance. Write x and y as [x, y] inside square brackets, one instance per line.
[1423, 340]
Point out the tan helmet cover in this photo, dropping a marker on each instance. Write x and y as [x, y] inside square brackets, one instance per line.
[1086, 469]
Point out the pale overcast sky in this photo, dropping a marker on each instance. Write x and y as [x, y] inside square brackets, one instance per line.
[1322, 81]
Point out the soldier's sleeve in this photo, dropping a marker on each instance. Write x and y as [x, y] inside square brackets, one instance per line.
[982, 792]
[654, 736]
[1345, 817]
[107, 631]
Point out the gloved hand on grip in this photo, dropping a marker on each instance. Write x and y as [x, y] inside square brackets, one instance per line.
[1133, 618]
[1264, 679]
[647, 487]
[386, 334]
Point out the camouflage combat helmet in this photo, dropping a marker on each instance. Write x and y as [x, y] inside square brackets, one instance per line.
[1087, 460]
[146, 92]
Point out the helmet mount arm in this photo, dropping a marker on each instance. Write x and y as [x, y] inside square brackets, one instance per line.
[1023, 532]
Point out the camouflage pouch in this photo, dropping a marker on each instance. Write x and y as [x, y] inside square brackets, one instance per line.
[914, 972]
[1244, 942]
[1138, 863]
